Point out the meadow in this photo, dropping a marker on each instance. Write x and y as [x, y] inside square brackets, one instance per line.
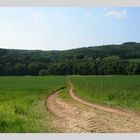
[22, 98]
[22, 106]
[116, 91]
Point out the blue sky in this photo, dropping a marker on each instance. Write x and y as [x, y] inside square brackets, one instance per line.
[59, 28]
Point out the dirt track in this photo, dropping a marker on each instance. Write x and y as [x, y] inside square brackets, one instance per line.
[83, 117]
[99, 107]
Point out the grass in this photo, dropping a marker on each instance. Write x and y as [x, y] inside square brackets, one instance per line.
[22, 103]
[64, 95]
[22, 98]
[116, 91]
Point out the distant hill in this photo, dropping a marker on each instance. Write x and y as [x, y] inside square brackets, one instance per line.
[106, 59]
[125, 50]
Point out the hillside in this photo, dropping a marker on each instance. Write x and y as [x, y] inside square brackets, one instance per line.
[104, 60]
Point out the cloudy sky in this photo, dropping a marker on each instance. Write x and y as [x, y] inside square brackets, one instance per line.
[60, 28]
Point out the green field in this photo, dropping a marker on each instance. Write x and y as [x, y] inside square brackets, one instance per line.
[116, 91]
[22, 106]
[22, 98]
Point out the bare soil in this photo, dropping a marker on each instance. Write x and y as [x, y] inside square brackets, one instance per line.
[85, 117]
[100, 107]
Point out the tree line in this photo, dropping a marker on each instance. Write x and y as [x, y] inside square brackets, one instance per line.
[99, 60]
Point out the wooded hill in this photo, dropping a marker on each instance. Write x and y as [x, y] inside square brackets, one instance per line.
[97, 60]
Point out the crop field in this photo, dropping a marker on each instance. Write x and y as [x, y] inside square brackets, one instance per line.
[116, 91]
[23, 108]
[22, 103]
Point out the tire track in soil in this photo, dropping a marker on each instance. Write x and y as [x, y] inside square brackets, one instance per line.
[71, 118]
[100, 107]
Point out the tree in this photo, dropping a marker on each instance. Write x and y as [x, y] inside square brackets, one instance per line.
[1, 70]
[20, 69]
[104, 60]
[43, 72]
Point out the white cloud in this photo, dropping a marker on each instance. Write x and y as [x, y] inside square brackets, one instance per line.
[117, 14]
[89, 14]
[37, 17]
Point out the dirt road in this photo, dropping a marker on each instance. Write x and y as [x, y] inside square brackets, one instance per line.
[100, 107]
[81, 116]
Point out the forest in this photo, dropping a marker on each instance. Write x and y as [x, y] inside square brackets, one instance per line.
[92, 60]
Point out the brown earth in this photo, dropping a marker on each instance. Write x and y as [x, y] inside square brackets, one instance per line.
[100, 107]
[82, 116]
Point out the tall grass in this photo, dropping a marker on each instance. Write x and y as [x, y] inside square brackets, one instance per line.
[22, 103]
[116, 91]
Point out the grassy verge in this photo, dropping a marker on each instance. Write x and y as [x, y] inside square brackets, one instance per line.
[116, 91]
[64, 95]
[22, 106]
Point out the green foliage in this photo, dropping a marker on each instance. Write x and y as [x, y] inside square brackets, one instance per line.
[116, 91]
[134, 60]
[43, 72]
[98, 60]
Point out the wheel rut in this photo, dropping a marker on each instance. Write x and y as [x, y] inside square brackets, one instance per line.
[71, 118]
[100, 107]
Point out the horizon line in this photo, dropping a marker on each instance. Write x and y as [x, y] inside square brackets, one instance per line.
[69, 49]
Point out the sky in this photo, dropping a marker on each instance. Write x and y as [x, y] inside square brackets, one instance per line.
[62, 28]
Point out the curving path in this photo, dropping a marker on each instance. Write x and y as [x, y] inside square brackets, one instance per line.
[71, 119]
[100, 107]
[82, 116]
